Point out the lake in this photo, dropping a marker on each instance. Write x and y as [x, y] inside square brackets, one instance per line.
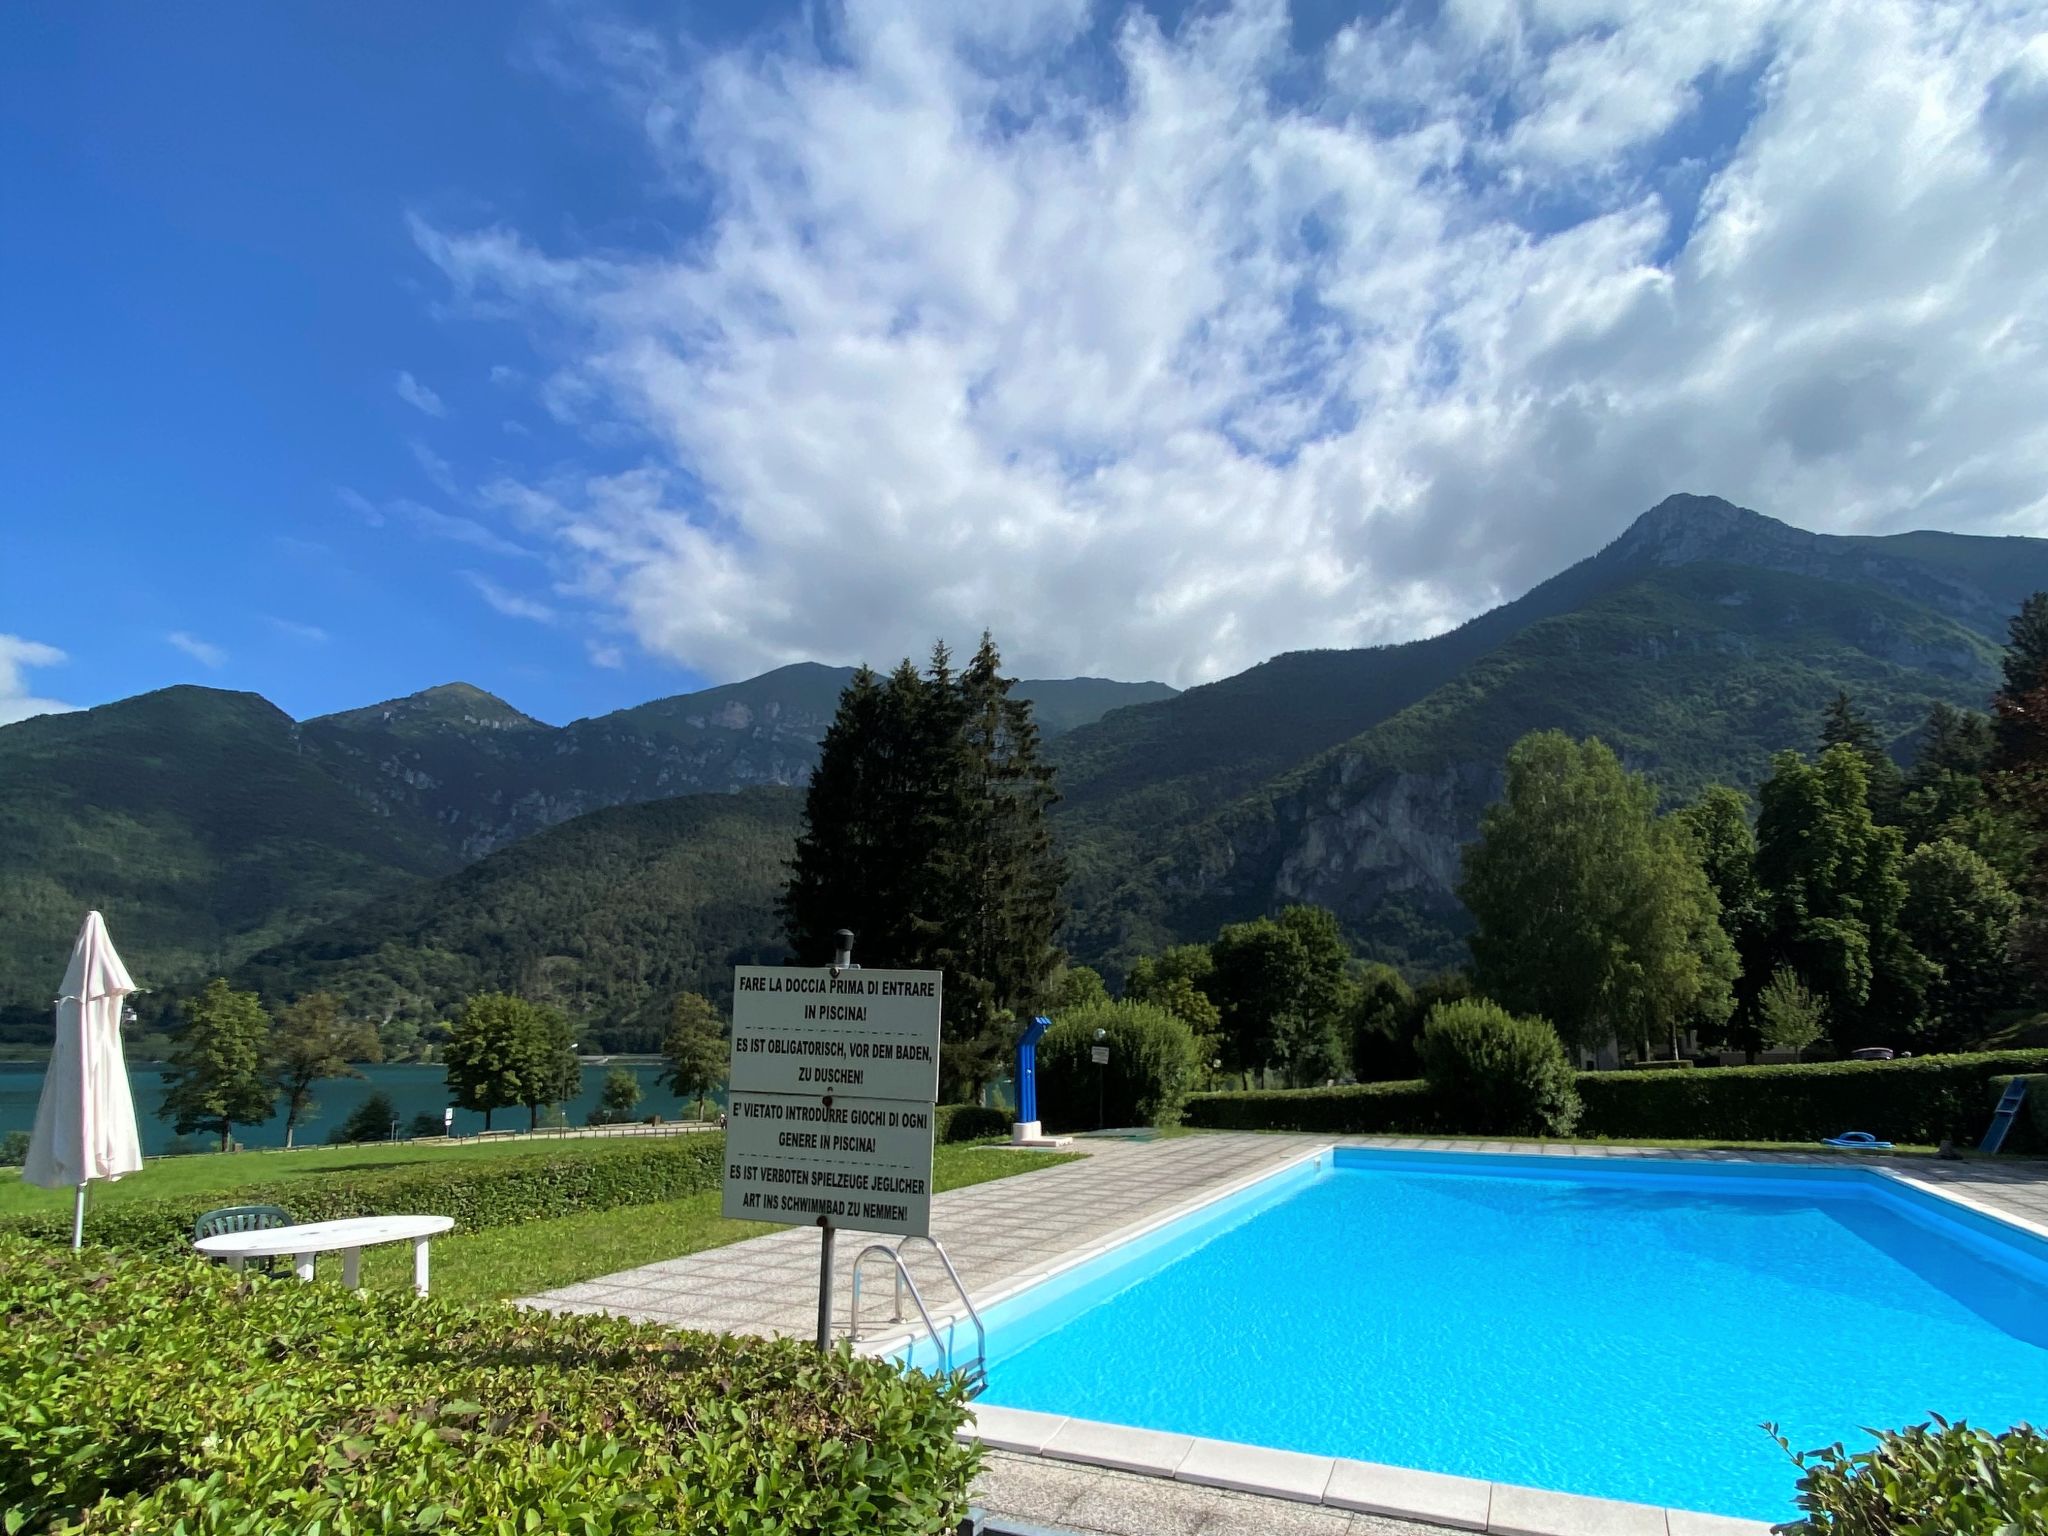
[414, 1088]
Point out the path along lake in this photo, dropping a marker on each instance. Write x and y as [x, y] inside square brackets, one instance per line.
[412, 1087]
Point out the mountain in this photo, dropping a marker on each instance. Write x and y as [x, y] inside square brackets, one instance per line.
[196, 821]
[608, 916]
[209, 825]
[1701, 640]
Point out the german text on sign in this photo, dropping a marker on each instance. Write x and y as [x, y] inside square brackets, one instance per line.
[863, 1163]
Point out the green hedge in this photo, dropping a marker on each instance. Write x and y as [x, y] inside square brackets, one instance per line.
[140, 1394]
[1917, 1100]
[970, 1122]
[478, 1192]
[1366, 1109]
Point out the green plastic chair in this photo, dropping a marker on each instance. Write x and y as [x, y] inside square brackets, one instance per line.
[243, 1218]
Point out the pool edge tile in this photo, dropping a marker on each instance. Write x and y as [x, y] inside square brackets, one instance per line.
[1687, 1522]
[1409, 1493]
[1022, 1430]
[1519, 1511]
[1151, 1451]
[1256, 1469]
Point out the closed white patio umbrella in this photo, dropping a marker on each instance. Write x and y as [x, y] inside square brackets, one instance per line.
[85, 1120]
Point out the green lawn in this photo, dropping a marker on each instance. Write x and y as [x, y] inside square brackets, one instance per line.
[540, 1255]
[218, 1173]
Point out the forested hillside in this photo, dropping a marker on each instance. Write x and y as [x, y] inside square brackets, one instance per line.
[194, 820]
[1693, 673]
[1702, 640]
[208, 825]
[608, 916]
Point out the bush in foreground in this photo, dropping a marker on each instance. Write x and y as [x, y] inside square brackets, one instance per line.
[139, 1395]
[1499, 1075]
[1937, 1479]
[1152, 1067]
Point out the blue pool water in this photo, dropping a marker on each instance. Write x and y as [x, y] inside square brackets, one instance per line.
[1610, 1329]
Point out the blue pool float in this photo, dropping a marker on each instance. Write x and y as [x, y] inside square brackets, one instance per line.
[1856, 1139]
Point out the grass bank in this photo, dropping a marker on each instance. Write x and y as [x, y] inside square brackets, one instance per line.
[505, 1262]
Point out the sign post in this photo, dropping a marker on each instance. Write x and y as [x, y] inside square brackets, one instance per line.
[831, 1101]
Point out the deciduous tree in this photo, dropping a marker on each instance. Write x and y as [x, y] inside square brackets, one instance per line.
[617, 1100]
[487, 1051]
[215, 1080]
[694, 1050]
[311, 1041]
[1960, 914]
[1832, 893]
[1592, 912]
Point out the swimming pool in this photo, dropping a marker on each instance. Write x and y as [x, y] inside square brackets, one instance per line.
[1603, 1327]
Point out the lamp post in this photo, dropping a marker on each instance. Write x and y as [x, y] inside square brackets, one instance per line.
[1101, 1054]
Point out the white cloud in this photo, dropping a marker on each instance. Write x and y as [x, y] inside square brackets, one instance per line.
[312, 634]
[514, 605]
[204, 652]
[17, 656]
[610, 656]
[1218, 350]
[431, 522]
[417, 395]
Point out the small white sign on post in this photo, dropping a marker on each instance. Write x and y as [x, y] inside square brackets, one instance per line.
[835, 1073]
[1099, 1054]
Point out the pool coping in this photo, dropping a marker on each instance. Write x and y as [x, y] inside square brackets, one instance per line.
[1432, 1498]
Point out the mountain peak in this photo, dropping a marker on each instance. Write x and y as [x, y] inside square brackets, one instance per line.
[448, 706]
[1683, 528]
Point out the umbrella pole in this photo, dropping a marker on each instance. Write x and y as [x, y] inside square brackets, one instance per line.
[78, 1221]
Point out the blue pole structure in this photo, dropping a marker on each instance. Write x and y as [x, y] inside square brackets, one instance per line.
[1027, 1076]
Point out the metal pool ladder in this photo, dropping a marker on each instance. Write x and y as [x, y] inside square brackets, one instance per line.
[977, 1372]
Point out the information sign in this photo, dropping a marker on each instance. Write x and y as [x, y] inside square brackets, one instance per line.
[863, 1163]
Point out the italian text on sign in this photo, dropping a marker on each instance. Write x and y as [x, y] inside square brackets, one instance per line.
[872, 1034]
[864, 1163]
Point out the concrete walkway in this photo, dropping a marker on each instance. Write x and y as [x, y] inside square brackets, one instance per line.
[994, 1232]
[1003, 1232]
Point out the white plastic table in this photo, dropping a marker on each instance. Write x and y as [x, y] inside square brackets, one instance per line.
[348, 1238]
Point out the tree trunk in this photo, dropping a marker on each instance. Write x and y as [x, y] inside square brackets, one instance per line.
[225, 1141]
[487, 1117]
[291, 1120]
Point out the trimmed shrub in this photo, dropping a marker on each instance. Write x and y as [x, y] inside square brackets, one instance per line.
[1363, 1109]
[1661, 1066]
[1153, 1062]
[970, 1122]
[141, 1394]
[1918, 1100]
[499, 1191]
[1921, 1099]
[1937, 1479]
[1497, 1073]
[14, 1149]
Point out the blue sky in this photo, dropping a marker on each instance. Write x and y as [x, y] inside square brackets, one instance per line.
[211, 295]
[590, 353]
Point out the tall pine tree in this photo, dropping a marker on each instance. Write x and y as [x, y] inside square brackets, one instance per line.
[1842, 726]
[925, 832]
